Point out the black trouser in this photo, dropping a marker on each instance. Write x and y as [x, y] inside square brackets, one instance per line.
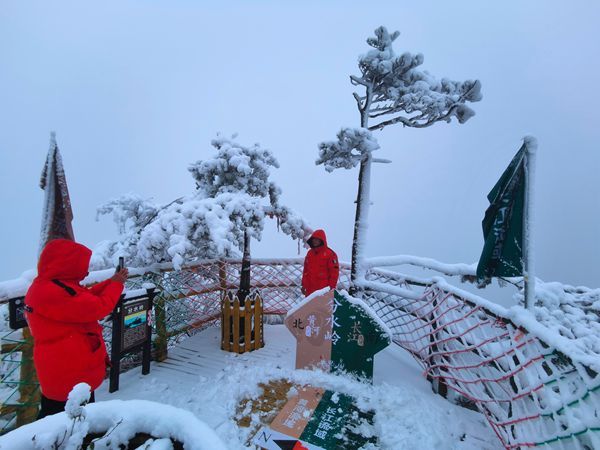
[49, 406]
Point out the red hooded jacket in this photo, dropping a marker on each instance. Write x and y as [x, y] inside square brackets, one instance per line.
[321, 267]
[68, 347]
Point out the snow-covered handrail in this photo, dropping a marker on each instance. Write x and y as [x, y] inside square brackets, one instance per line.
[455, 269]
[18, 286]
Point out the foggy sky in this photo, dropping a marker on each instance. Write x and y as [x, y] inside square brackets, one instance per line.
[135, 91]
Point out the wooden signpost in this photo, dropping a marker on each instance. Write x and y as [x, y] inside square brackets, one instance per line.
[132, 332]
[337, 334]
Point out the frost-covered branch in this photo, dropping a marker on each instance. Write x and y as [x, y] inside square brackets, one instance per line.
[130, 212]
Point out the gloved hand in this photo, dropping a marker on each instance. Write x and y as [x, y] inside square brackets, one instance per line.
[120, 276]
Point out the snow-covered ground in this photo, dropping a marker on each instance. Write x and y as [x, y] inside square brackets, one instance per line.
[210, 383]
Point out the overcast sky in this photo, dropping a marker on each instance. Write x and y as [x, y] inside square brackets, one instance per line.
[135, 91]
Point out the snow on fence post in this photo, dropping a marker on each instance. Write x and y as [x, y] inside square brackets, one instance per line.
[528, 241]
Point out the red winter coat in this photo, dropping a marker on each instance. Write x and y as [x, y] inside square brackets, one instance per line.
[321, 268]
[68, 347]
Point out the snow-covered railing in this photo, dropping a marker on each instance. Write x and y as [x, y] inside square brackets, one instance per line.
[533, 386]
[456, 269]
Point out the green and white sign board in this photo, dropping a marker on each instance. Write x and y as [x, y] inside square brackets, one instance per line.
[326, 425]
[337, 333]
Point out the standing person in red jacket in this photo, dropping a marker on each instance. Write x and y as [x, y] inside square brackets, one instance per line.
[68, 347]
[321, 267]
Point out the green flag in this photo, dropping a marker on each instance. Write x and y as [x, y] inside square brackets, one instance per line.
[502, 253]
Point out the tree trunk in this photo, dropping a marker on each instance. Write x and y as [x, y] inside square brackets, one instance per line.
[244, 290]
[360, 221]
[363, 199]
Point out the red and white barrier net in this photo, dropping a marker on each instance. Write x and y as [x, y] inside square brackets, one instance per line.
[531, 394]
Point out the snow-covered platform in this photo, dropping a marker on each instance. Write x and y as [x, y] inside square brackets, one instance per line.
[200, 377]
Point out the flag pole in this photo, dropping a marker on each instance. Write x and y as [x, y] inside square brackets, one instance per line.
[528, 235]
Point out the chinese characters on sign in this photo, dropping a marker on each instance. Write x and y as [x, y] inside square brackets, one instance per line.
[317, 420]
[312, 327]
[336, 333]
[135, 318]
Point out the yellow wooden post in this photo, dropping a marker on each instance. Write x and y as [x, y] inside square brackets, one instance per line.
[247, 325]
[29, 393]
[236, 325]
[258, 329]
[255, 318]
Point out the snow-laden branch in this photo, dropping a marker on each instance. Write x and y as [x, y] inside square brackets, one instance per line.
[406, 94]
[348, 150]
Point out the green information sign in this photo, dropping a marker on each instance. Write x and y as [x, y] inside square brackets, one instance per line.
[358, 337]
[327, 426]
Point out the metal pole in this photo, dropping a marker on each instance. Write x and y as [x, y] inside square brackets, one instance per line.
[528, 260]
[115, 348]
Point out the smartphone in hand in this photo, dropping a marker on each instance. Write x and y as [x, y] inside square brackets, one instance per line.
[121, 264]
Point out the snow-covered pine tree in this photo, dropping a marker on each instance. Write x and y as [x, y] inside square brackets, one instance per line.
[395, 91]
[245, 171]
[233, 196]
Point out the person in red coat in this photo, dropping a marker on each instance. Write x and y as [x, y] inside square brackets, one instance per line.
[321, 267]
[68, 347]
